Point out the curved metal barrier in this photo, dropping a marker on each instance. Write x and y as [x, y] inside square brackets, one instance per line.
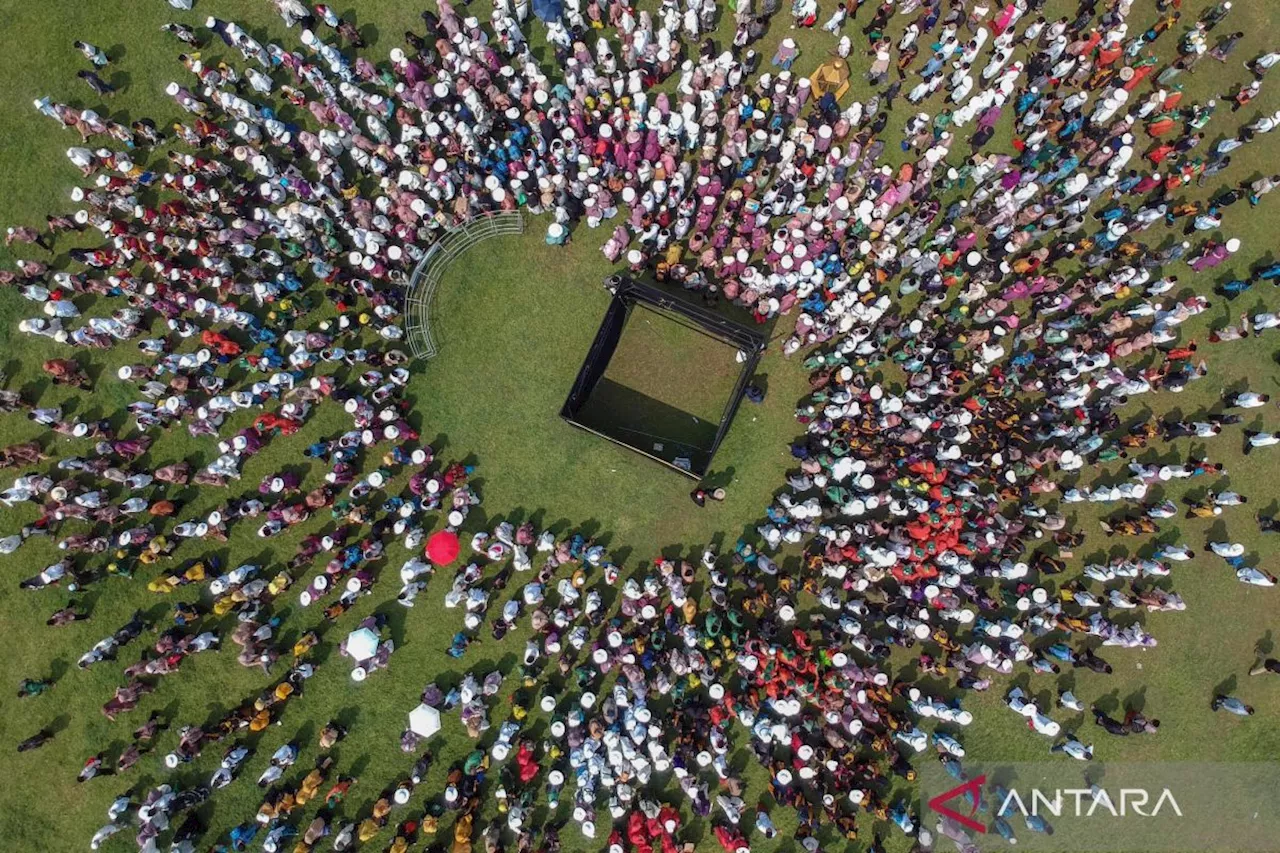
[426, 275]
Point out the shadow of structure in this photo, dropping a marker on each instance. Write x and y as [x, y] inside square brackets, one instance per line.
[638, 420]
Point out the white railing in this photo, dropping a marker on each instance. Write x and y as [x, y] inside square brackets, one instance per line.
[426, 275]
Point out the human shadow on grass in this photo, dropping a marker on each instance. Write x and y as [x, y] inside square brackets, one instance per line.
[1139, 417]
[1115, 552]
[357, 767]
[216, 710]
[621, 556]
[154, 614]
[306, 734]
[437, 444]
[1166, 454]
[448, 679]
[1264, 646]
[558, 527]
[647, 424]
[36, 389]
[58, 667]
[1109, 702]
[761, 381]
[675, 552]
[515, 517]
[1045, 698]
[392, 616]
[933, 686]
[1137, 700]
[95, 370]
[719, 479]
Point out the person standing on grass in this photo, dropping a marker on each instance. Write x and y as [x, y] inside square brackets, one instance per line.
[1245, 94]
[96, 83]
[92, 53]
[1271, 665]
[23, 234]
[1091, 661]
[1224, 46]
[1114, 727]
[1263, 63]
[1231, 705]
[701, 495]
[1074, 748]
[1139, 724]
[95, 766]
[36, 741]
[1246, 400]
[103, 834]
[34, 687]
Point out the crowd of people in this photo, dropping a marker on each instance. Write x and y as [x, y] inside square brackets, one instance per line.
[253, 260]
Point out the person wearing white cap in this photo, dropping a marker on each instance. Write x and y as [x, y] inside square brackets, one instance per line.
[557, 234]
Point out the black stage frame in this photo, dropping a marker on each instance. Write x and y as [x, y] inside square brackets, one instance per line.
[629, 293]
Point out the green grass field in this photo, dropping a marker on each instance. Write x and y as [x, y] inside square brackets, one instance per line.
[514, 321]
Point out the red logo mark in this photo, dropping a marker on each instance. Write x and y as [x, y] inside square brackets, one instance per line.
[971, 789]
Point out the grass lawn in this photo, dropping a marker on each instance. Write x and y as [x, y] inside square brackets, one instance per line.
[514, 319]
[675, 364]
[521, 347]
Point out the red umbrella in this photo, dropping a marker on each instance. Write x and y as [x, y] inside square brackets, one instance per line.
[442, 547]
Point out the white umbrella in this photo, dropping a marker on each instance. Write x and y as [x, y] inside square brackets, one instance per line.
[424, 720]
[361, 644]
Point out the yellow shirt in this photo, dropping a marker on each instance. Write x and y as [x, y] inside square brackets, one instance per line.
[162, 585]
[279, 584]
